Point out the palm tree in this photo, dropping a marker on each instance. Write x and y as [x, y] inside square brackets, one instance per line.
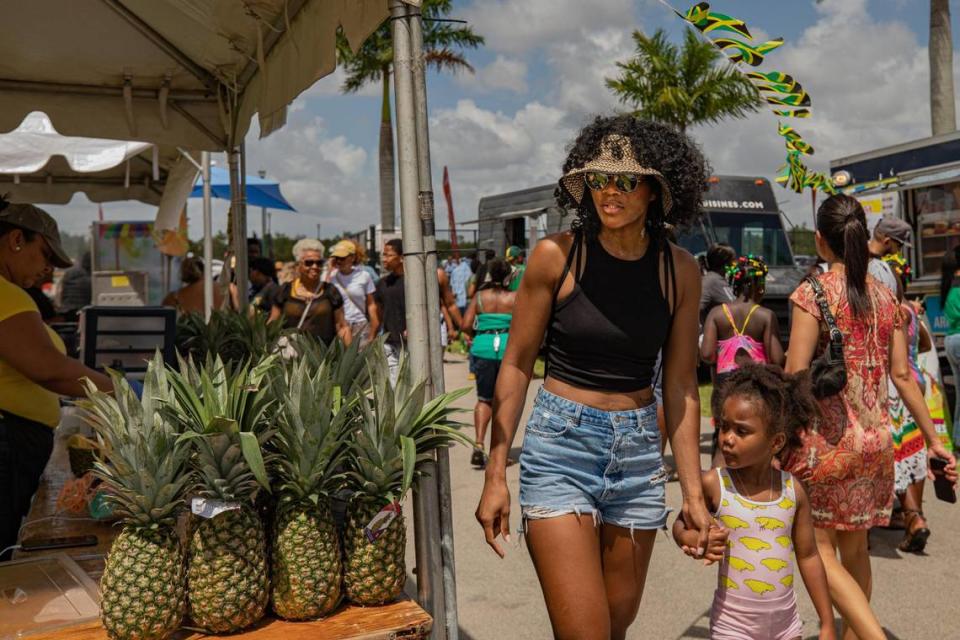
[682, 86]
[443, 44]
[943, 115]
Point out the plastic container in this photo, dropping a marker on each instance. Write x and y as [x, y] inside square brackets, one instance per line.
[44, 594]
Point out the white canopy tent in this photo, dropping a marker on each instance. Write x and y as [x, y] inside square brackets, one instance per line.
[176, 73]
[191, 74]
[38, 165]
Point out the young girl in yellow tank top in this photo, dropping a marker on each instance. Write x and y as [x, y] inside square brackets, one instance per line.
[763, 524]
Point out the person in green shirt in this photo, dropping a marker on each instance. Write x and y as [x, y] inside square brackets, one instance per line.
[487, 325]
[950, 301]
[515, 260]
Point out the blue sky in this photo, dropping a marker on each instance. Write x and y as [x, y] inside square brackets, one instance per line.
[540, 77]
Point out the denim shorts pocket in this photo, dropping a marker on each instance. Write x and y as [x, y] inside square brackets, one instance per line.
[546, 424]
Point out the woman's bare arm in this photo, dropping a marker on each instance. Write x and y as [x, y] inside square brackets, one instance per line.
[804, 336]
[470, 316]
[527, 329]
[343, 329]
[771, 340]
[708, 346]
[26, 346]
[373, 315]
[681, 397]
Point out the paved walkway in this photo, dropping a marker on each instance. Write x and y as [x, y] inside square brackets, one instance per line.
[915, 596]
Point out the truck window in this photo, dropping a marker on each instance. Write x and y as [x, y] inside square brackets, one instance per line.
[756, 233]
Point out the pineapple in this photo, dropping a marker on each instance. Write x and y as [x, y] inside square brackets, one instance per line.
[398, 432]
[312, 442]
[143, 588]
[223, 413]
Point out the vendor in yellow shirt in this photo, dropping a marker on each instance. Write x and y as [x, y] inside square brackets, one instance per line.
[34, 369]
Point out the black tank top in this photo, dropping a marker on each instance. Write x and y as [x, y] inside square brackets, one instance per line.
[607, 333]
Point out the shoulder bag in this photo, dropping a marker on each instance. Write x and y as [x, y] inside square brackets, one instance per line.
[828, 372]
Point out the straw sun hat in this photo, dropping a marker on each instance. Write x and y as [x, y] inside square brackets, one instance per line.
[616, 156]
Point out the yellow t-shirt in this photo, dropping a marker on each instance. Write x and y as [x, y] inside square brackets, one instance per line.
[18, 394]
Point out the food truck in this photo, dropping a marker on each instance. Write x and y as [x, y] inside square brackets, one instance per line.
[918, 181]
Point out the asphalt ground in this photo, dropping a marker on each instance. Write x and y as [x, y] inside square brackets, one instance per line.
[915, 597]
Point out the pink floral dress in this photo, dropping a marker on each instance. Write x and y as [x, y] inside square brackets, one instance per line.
[846, 460]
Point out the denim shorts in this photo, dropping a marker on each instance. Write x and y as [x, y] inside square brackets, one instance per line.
[578, 459]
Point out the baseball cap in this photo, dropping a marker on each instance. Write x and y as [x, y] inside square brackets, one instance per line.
[895, 229]
[513, 252]
[31, 218]
[343, 249]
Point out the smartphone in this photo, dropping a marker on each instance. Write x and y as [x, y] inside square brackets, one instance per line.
[41, 544]
[941, 486]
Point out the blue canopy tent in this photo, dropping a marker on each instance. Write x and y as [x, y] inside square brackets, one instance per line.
[260, 191]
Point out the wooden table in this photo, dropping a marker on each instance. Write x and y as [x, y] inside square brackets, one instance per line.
[401, 620]
[397, 621]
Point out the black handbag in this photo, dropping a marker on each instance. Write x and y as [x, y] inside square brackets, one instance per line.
[828, 372]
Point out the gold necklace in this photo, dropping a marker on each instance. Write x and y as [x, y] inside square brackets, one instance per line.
[734, 476]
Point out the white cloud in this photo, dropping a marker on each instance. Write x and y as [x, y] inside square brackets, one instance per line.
[491, 152]
[503, 73]
[581, 67]
[514, 26]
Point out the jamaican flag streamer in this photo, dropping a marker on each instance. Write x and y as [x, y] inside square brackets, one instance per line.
[776, 88]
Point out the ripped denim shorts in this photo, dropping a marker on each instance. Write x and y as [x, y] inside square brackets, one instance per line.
[578, 459]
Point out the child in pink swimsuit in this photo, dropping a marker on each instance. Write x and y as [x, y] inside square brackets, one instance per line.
[762, 514]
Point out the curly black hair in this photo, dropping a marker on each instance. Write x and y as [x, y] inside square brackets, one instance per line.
[786, 400]
[656, 146]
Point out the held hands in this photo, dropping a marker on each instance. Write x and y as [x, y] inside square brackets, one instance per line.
[493, 512]
[696, 517]
[715, 547]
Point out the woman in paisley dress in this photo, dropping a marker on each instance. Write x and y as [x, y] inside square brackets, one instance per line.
[846, 461]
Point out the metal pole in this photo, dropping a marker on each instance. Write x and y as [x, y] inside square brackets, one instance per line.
[207, 238]
[263, 222]
[243, 271]
[426, 502]
[238, 206]
[433, 315]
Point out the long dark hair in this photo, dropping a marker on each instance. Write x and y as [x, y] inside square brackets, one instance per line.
[948, 269]
[499, 272]
[843, 225]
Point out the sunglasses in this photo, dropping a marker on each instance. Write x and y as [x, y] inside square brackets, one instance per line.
[624, 182]
[312, 263]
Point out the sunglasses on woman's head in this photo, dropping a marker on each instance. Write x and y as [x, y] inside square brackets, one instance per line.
[624, 182]
[312, 263]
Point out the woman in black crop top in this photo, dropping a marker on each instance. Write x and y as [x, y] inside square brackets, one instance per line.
[603, 300]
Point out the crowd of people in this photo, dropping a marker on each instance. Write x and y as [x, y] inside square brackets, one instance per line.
[816, 441]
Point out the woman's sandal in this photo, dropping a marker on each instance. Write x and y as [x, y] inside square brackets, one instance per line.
[915, 541]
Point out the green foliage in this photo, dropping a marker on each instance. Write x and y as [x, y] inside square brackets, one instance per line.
[226, 413]
[682, 86]
[232, 336]
[398, 432]
[443, 43]
[802, 240]
[146, 463]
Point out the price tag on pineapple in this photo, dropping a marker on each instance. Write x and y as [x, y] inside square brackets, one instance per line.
[381, 521]
[210, 508]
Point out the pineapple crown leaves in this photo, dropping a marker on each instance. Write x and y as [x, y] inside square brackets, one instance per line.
[313, 428]
[146, 466]
[398, 431]
[214, 400]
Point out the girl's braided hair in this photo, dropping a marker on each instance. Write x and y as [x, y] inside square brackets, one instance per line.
[786, 400]
[747, 274]
[656, 146]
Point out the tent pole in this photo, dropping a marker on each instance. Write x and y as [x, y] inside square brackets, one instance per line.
[207, 238]
[433, 312]
[426, 499]
[238, 207]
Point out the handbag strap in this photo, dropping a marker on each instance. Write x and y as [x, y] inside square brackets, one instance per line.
[821, 298]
